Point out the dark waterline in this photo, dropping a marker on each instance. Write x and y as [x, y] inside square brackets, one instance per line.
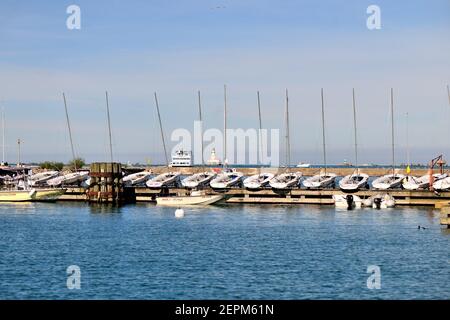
[221, 252]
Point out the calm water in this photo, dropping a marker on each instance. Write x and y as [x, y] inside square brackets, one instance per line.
[223, 252]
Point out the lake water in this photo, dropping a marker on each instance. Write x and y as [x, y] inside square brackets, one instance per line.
[221, 252]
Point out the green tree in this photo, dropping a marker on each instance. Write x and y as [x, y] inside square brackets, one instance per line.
[51, 165]
[77, 163]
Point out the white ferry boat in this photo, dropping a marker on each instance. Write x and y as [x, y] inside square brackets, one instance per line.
[181, 158]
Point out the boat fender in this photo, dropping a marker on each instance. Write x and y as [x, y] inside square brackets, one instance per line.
[179, 213]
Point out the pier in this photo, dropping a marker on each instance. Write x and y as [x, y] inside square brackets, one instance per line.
[269, 196]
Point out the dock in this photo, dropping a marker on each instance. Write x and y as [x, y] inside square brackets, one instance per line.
[269, 196]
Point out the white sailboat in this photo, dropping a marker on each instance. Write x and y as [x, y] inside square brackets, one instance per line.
[393, 180]
[226, 179]
[136, 178]
[348, 201]
[356, 180]
[163, 180]
[198, 179]
[42, 177]
[168, 178]
[69, 178]
[286, 180]
[258, 181]
[423, 182]
[323, 179]
[261, 179]
[442, 185]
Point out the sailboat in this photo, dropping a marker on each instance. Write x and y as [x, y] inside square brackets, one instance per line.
[136, 178]
[286, 180]
[200, 179]
[69, 178]
[394, 179]
[42, 177]
[261, 179]
[356, 180]
[423, 182]
[168, 178]
[228, 177]
[323, 179]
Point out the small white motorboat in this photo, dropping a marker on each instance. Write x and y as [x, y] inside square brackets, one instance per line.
[322, 180]
[354, 182]
[195, 198]
[388, 181]
[442, 185]
[226, 179]
[258, 181]
[380, 201]
[69, 178]
[40, 178]
[348, 201]
[198, 179]
[423, 182]
[286, 180]
[163, 180]
[136, 178]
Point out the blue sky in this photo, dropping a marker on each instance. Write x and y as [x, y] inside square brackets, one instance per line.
[133, 48]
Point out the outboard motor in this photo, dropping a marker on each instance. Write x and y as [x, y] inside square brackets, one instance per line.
[350, 201]
[377, 202]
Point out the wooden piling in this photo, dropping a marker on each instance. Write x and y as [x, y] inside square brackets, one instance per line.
[445, 216]
[106, 183]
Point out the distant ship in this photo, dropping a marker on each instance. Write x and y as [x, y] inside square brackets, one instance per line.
[303, 165]
[181, 158]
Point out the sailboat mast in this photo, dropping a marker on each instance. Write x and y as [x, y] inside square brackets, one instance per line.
[70, 131]
[392, 131]
[201, 123]
[260, 132]
[288, 143]
[408, 158]
[3, 135]
[323, 134]
[355, 129]
[161, 129]
[109, 127]
[225, 125]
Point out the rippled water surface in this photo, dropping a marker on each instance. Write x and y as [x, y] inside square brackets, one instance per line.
[221, 252]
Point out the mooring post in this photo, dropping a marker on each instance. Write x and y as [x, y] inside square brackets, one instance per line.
[106, 183]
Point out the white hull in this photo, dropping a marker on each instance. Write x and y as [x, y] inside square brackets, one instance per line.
[380, 201]
[389, 181]
[68, 178]
[189, 200]
[347, 201]
[285, 180]
[423, 182]
[320, 181]
[353, 182]
[42, 177]
[226, 180]
[163, 180]
[258, 181]
[136, 178]
[442, 185]
[198, 179]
